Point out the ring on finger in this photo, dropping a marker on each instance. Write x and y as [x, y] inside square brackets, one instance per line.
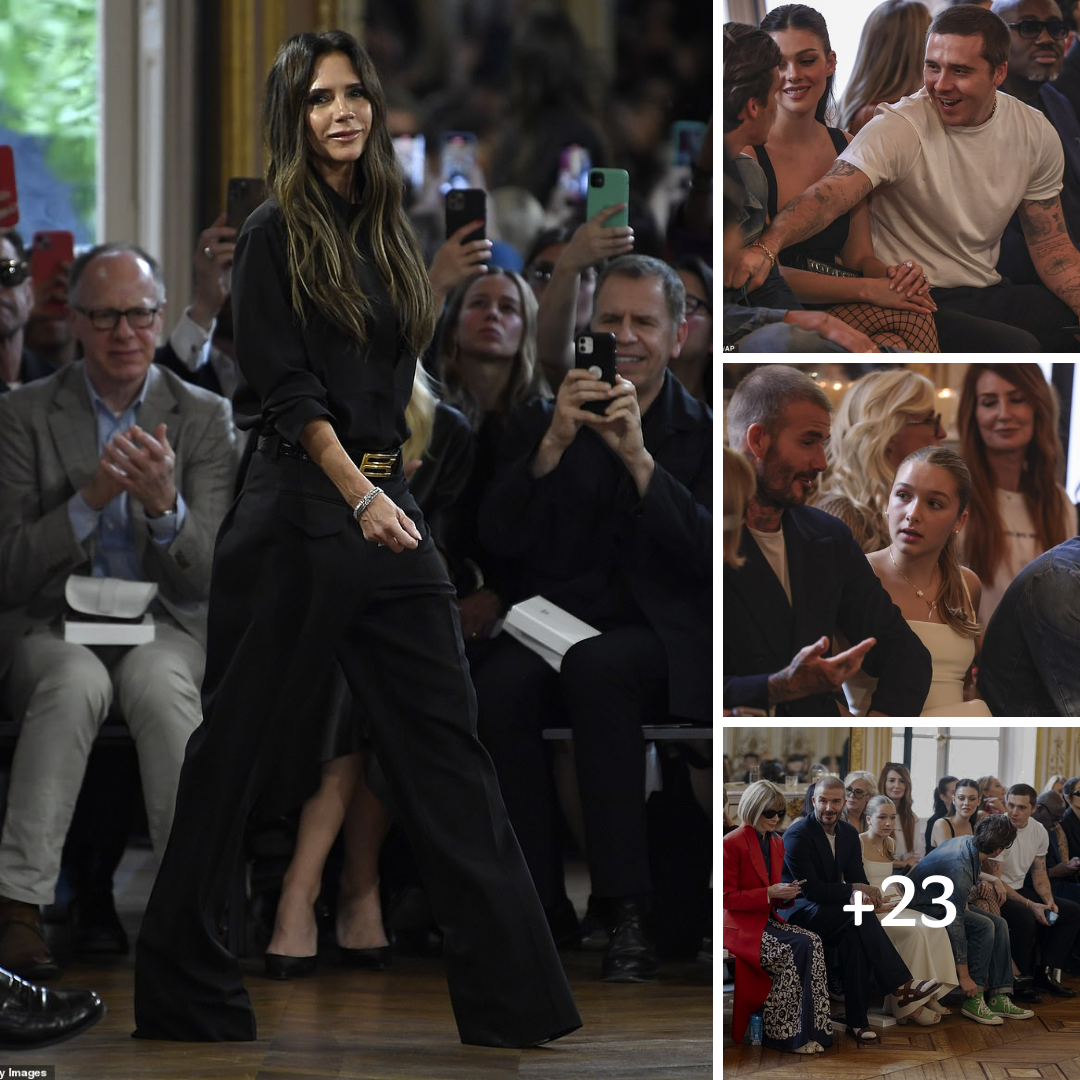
[208, 251]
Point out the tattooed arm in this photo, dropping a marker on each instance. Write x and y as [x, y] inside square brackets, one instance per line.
[841, 188]
[1052, 251]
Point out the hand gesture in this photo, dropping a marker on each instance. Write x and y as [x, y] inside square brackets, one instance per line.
[884, 293]
[457, 260]
[908, 279]
[871, 894]
[810, 673]
[144, 466]
[213, 271]
[593, 242]
[386, 524]
[785, 890]
[1040, 912]
[620, 424]
[578, 386]
[749, 268]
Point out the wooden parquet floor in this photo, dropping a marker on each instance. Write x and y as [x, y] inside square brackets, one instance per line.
[1046, 1047]
[350, 1024]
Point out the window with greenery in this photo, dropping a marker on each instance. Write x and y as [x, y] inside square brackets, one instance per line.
[49, 111]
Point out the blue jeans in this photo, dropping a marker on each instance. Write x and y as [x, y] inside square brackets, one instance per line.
[988, 950]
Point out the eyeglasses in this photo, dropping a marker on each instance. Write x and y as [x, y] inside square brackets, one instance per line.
[770, 814]
[138, 318]
[13, 272]
[694, 304]
[935, 420]
[856, 792]
[1030, 29]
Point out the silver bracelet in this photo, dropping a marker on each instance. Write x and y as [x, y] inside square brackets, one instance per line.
[365, 502]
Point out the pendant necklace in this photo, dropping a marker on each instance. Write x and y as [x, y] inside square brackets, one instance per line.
[918, 591]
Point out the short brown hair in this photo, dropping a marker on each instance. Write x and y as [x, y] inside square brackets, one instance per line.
[969, 20]
[994, 833]
[763, 395]
[750, 58]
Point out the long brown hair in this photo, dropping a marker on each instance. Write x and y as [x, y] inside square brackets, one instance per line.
[903, 805]
[984, 539]
[953, 600]
[321, 259]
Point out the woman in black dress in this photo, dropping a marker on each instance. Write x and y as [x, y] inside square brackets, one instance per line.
[315, 563]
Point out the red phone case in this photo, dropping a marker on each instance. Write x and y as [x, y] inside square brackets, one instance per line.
[48, 250]
[7, 183]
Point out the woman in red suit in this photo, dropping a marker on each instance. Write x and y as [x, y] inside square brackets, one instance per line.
[782, 966]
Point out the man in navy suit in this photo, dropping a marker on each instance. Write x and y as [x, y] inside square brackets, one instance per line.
[824, 854]
[805, 577]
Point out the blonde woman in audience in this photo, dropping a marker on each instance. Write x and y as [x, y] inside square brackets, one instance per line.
[992, 791]
[1055, 783]
[920, 571]
[965, 813]
[926, 950]
[883, 417]
[859, 787]
[889, 63]
[1008, 421]
[739, 486]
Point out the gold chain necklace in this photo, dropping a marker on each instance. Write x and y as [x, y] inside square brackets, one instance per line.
[918, 591]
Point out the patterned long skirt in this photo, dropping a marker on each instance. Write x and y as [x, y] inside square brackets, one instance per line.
[797, 1008]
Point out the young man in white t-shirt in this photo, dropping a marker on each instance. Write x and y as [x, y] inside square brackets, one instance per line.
[1027, 909]
[949, 166]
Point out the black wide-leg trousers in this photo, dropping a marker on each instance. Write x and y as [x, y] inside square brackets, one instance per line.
[295, 585]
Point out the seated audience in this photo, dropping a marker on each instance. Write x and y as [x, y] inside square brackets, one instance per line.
[1054, 783]
[751, 763]
[18, 364]
[980, 940]
[895, 782]
[824, 854]
[1037, 36]
[797, 767]
[610, 517]
[943, 806]
[693, 366]
[1070, 823]
[836, 268]
[831, 763]
[992, 795]
[943, 199]
[135, 489]
[1061, 869]
[889, 61]
[805, 578]
[883, 417]
[1028, 662]
[1028, 905]
[860, 787]
[926, 950]
[1008, 422]
[786, 978]
[921, 572]
[964, 817]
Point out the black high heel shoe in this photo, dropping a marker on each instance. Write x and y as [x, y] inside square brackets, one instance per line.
[377, 959]
[279, 966]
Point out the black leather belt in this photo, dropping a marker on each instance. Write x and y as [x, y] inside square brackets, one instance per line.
[373, 464]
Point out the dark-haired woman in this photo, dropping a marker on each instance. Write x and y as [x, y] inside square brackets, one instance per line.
[325, 555]
[891, 304]
[943, 806]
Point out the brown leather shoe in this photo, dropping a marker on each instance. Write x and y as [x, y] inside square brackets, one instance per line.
[22, 941]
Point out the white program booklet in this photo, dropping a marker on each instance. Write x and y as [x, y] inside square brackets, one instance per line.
[546, 629]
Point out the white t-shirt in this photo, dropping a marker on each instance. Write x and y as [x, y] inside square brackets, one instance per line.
[775, 551]
[919, 833]
[1031, 842]
[1021, 546]
[943, 195]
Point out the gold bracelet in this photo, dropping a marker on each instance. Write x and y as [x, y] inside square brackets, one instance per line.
[761, 247]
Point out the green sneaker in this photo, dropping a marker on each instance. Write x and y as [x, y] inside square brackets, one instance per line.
[974, 1008]
[1001, 1005]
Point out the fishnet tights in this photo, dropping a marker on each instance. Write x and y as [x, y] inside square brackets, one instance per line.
[890, 326]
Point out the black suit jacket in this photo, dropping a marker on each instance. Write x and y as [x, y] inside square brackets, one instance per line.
[832, 588]
[809, 858]
[583, 535]
[32, 367]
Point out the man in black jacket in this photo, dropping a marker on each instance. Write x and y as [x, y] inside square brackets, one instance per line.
[823, 853]
[610, 516]
[805, 577]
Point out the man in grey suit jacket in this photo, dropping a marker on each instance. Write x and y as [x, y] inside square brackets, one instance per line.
[112, 467]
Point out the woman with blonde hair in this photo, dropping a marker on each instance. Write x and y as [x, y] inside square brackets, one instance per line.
[1008, 421]
[889, 63]
[883, 417]
[860, 787]
[739, 486]
[920, 571]
[1055, 783]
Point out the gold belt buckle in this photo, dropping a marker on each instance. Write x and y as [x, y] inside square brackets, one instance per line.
[377, 465]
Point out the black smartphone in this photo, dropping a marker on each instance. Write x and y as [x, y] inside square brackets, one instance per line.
[243, 195]
[596, 350]
[462, 206]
